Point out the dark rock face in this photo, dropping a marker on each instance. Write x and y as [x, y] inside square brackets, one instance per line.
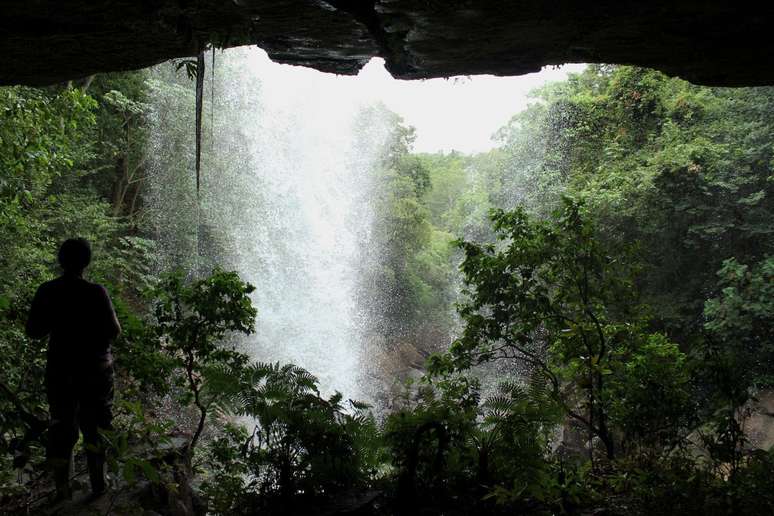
[717, 43]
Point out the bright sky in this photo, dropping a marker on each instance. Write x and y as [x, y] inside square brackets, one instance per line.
[459, 113]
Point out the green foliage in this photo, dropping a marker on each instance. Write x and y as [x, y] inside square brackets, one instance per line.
[652, 397]
[118, 170]
[683, 169]
[736, 357]
[47, 146]
[40, 139]
[556, 294]
[552, 297]
[515, 434]
[303, 445]
[401, 231]
[741, 318]
[454, 450]
[137, 446]
[194, 316]
[142, 365]
[224, 485]
[430, 439]
[192, 321]
[679, 484]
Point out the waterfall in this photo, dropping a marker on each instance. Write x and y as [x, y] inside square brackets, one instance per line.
[284, 201]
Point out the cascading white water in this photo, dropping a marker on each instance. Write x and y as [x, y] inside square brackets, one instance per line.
[283, 202]
[288, 165]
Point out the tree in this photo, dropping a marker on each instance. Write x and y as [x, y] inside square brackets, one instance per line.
[741, 318]
[683, 169]
[550, 295]
[393, 285]
[192, 319]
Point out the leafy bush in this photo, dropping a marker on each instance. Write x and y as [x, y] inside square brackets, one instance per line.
[302, 445]
[455, 451]
[552, 297]
[430, 440]
[652, 403]
[192, 319]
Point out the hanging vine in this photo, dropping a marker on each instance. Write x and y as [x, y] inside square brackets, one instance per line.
[212, 99]
[199, 95]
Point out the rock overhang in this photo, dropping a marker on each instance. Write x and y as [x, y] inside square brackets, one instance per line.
[713, 43]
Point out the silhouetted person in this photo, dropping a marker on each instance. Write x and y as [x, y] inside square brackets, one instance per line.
[80, 320]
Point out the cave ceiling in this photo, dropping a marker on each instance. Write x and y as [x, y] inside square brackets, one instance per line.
[707, 42]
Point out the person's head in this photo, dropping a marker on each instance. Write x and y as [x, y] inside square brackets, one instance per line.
[74, 255]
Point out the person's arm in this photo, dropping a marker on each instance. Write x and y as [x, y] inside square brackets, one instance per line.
[38, 325]
[112, 326]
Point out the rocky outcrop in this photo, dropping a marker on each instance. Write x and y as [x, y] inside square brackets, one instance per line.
[718, 43]
[759, 427]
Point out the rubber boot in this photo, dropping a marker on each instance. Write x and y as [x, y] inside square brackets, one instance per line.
[96, 464]
[61, 470]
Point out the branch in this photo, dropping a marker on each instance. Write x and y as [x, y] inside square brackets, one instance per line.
[137, 167]
[193, 385]
[533, 360]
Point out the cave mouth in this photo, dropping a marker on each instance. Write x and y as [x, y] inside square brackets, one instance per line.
[597, 283]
